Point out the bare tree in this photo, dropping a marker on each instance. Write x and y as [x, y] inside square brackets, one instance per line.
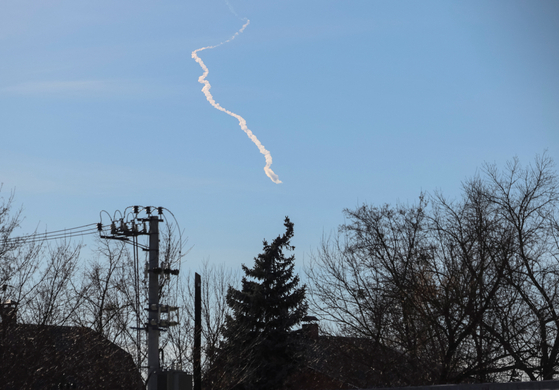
[527, 200]
[215, 281]
[18, 257]
[473, 249]
[108, 303]
[48, 297]
[373, 281]
[463, 290]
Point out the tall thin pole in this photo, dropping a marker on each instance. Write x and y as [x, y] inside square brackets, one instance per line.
[137, 302]
[197, 332]
[153, 299]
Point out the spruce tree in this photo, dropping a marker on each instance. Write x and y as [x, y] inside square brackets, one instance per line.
[259, 344]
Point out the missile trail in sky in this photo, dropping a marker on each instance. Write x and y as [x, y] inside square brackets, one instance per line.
[242, 121]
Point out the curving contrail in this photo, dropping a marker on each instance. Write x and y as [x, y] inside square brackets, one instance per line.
[242, 121]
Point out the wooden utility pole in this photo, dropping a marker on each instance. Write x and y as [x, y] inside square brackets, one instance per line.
[197, 332]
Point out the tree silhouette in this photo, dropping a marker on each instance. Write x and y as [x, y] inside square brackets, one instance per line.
[260, 349]
[464, 290]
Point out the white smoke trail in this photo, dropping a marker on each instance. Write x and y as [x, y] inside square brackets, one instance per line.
[242, 121]
[231, 8]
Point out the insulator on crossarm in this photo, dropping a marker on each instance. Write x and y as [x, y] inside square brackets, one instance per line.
[167, 323]
[167, 308]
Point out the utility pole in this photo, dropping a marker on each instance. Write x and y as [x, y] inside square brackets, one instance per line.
[197, 332]
[153, 300]
[130, 225]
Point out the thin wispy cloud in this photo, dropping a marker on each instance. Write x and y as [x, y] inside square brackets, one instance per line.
[89, 88]
[77, 178]
[56, 87]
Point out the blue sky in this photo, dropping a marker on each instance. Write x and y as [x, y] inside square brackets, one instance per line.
[357, 101]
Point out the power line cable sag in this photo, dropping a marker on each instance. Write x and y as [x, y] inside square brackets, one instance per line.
[242, 121]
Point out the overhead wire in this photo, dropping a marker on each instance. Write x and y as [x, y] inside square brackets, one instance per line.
[62, 230]
[56, 234]
[93, 228]
[101, 215]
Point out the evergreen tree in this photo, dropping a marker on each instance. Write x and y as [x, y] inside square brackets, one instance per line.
[259, 344]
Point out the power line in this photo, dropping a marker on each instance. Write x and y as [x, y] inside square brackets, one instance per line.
[55, 235]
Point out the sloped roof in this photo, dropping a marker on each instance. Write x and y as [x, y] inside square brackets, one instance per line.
[333, 362]
[44, 357]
